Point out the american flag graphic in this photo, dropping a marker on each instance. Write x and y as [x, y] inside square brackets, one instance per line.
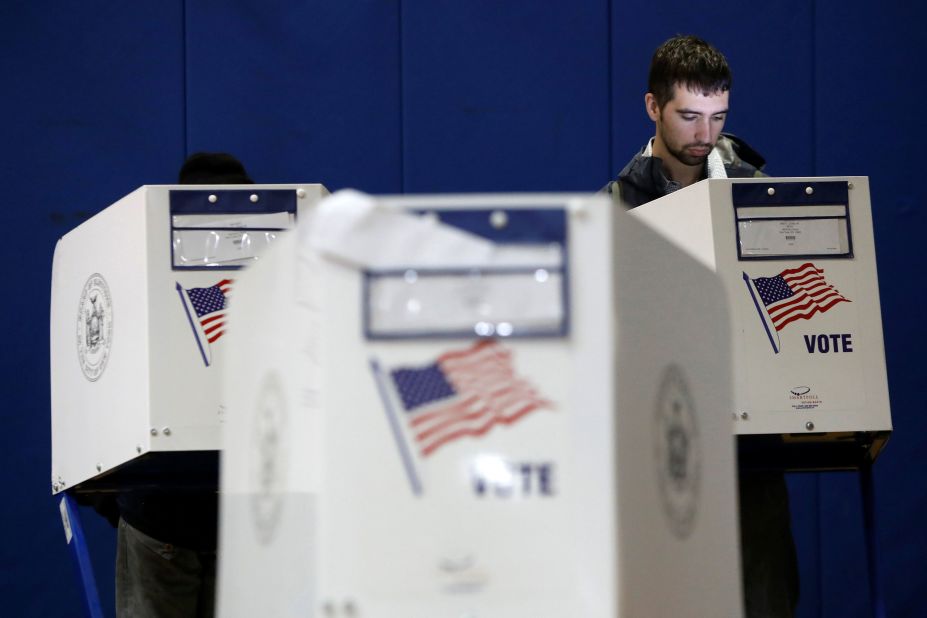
[209, 304]
[796, 294]
[205, 309]
[463, 393]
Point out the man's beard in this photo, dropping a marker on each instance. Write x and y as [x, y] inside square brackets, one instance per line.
[685, 157]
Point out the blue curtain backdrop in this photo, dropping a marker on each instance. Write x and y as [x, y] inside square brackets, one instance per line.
[100, 97]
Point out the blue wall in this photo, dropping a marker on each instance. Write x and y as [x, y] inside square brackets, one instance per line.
[100, 97]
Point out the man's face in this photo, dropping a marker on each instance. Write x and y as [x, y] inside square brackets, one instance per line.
[689, 124]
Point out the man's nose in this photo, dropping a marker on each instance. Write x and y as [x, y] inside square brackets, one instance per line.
[703, 130]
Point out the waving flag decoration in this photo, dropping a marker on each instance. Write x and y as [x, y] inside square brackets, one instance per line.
[205, 308]
[461, 394]
[794, 294]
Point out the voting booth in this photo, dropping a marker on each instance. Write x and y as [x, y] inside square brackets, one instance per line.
[138, 314]
[797, 259]
[477, 406]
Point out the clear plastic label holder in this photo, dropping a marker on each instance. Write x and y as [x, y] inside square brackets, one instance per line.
[792, 220]
[226, 229]
[523, 292]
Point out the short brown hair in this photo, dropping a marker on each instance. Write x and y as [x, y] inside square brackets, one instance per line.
[688, 61]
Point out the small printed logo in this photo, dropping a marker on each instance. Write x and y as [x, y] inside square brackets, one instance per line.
[678, 453]
[460, 573]
[94, 327]
[801, 398]
[268, 458]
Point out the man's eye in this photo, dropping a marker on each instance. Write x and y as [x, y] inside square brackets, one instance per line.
[718, 118]
[689, 116]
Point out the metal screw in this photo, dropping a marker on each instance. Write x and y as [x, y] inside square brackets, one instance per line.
[809, 190]
[138, 448]
[744, 415]
[154, 431]
[213, 198]
[99, 467]
[300, 193]
[349, 608]
[498, 219]
[166, 431]
[809, 426]
[771, 191]
[328, 608]
[849, 185]
[254, 198]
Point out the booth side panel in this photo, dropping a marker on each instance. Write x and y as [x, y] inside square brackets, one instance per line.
[686, 219]
[267, 512]
[99, 350]
[676, 463]
[593, 400]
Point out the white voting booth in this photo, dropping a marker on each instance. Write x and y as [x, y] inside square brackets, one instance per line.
[477, 406]
[797, 259]
[137, 321]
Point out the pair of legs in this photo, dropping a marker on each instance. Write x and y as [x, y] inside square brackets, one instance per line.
[160, 580]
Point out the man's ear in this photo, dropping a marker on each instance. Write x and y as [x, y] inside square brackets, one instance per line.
[653, 109]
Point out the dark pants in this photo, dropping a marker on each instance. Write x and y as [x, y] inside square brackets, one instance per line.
[159, 580]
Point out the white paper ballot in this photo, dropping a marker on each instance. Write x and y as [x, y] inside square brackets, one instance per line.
[278, 220]
[349, 227]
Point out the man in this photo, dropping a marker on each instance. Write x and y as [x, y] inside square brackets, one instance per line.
[166, 541]
[688, 92]
[688, 100]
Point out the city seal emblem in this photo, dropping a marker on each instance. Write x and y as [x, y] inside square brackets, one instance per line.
[94, 327]
[678, 454]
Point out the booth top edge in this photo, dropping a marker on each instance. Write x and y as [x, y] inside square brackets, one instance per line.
[219, 187]
[782, 179]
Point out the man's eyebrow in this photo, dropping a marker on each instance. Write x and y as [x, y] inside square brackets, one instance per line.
[698, 113]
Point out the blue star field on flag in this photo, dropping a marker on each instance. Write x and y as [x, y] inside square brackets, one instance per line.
[206, 300]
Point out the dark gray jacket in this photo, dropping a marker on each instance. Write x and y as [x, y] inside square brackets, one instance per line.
[643, 180]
